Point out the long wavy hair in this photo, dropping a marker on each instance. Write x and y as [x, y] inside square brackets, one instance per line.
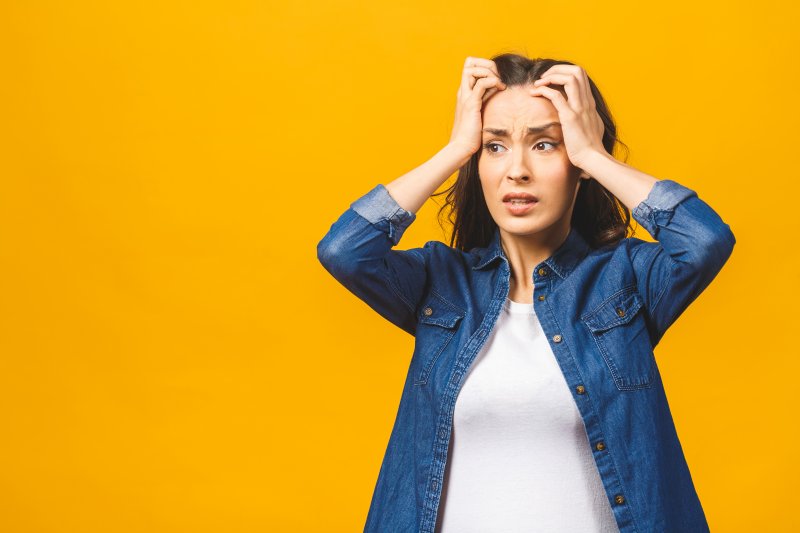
[599, 216]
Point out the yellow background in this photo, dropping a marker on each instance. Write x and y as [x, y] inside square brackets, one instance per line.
[172, 355]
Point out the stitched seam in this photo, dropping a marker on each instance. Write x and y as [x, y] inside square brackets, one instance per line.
[422, 377]
[448, 302]
[663, 289]
[397, 291]
[602, 305]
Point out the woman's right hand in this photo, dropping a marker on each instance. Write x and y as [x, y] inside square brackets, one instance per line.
[479, 80]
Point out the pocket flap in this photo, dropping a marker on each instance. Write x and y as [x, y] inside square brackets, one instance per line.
[617, 310]
[439, 312]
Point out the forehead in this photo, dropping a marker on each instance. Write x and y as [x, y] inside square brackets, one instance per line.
[514, 109]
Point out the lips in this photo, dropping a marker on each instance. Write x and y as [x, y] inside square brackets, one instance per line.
[519, 198]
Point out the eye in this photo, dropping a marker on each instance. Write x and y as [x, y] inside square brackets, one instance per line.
[488, 147]
[546, 142]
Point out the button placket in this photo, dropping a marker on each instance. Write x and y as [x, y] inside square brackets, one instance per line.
[580, 389]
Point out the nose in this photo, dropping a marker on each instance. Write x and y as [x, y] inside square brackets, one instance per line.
[518, 171]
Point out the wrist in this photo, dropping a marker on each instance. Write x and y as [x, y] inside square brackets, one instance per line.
[595, 162]
[460, 154]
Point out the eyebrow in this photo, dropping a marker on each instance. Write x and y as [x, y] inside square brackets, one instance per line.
[532, 130]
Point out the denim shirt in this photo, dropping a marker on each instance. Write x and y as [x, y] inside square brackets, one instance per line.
[603, 311]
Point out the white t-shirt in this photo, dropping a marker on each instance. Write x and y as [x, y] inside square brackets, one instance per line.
[520, 459]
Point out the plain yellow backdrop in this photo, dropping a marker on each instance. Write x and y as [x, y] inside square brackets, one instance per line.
[173, 358]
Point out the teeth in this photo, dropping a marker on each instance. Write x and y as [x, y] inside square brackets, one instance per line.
[516, 202]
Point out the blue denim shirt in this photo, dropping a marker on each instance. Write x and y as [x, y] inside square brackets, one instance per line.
[603, 311]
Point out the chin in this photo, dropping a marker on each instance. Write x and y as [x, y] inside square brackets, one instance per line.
[521, 228]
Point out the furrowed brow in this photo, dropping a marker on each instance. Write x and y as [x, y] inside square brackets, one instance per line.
[532, 130]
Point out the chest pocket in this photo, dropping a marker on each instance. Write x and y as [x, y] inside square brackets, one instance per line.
[620, 332]
[437, 323]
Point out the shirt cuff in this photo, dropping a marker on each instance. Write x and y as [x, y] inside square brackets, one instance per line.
[657, 209]
[382, 211]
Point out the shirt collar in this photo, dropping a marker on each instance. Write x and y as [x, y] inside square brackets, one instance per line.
[562, 261]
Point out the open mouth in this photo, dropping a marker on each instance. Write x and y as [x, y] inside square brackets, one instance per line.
[520, 206]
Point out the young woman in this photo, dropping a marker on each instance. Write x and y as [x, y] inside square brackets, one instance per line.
[533, 401]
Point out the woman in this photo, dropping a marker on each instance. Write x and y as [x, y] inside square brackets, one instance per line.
[533, 401]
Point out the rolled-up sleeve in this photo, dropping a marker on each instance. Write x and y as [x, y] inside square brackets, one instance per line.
[357, 252]
[693, 244]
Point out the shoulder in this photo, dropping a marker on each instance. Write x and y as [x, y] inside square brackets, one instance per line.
[628, 248]
[621, 262]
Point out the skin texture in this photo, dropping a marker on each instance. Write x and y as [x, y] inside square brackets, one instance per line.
[534, 163]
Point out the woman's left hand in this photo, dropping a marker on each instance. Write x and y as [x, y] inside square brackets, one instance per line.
[581, 125]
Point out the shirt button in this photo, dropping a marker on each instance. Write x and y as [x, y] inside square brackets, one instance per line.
[619, 498]
[542, 271]
[557, 338]
[541, 297]
[620, 311]
[580, 389]
[600, 446]
[435, 486]
[428, 311]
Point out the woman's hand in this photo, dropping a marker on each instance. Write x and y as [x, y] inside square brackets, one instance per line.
[479, 80]
[581, 125]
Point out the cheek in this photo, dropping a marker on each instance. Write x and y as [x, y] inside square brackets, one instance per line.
[484, 174]
[488, 170]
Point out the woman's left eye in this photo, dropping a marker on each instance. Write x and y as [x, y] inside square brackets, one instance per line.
[547, 142]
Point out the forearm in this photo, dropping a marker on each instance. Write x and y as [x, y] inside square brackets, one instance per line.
[412, 190]
[628, 184]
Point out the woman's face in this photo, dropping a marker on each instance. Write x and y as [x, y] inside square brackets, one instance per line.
[514, 160]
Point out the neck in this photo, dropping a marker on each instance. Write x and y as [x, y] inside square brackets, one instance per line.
[524, 252]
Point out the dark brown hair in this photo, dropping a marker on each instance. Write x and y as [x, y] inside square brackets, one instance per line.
[598, 216]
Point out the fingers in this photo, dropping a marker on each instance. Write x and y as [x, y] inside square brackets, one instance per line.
[474, 69]
[556, 98]
[472, 74]
[486, 87]
[575, 82]
[574, 93]
[481, 62]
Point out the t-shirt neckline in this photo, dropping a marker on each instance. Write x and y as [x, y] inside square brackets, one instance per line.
[518, 307]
